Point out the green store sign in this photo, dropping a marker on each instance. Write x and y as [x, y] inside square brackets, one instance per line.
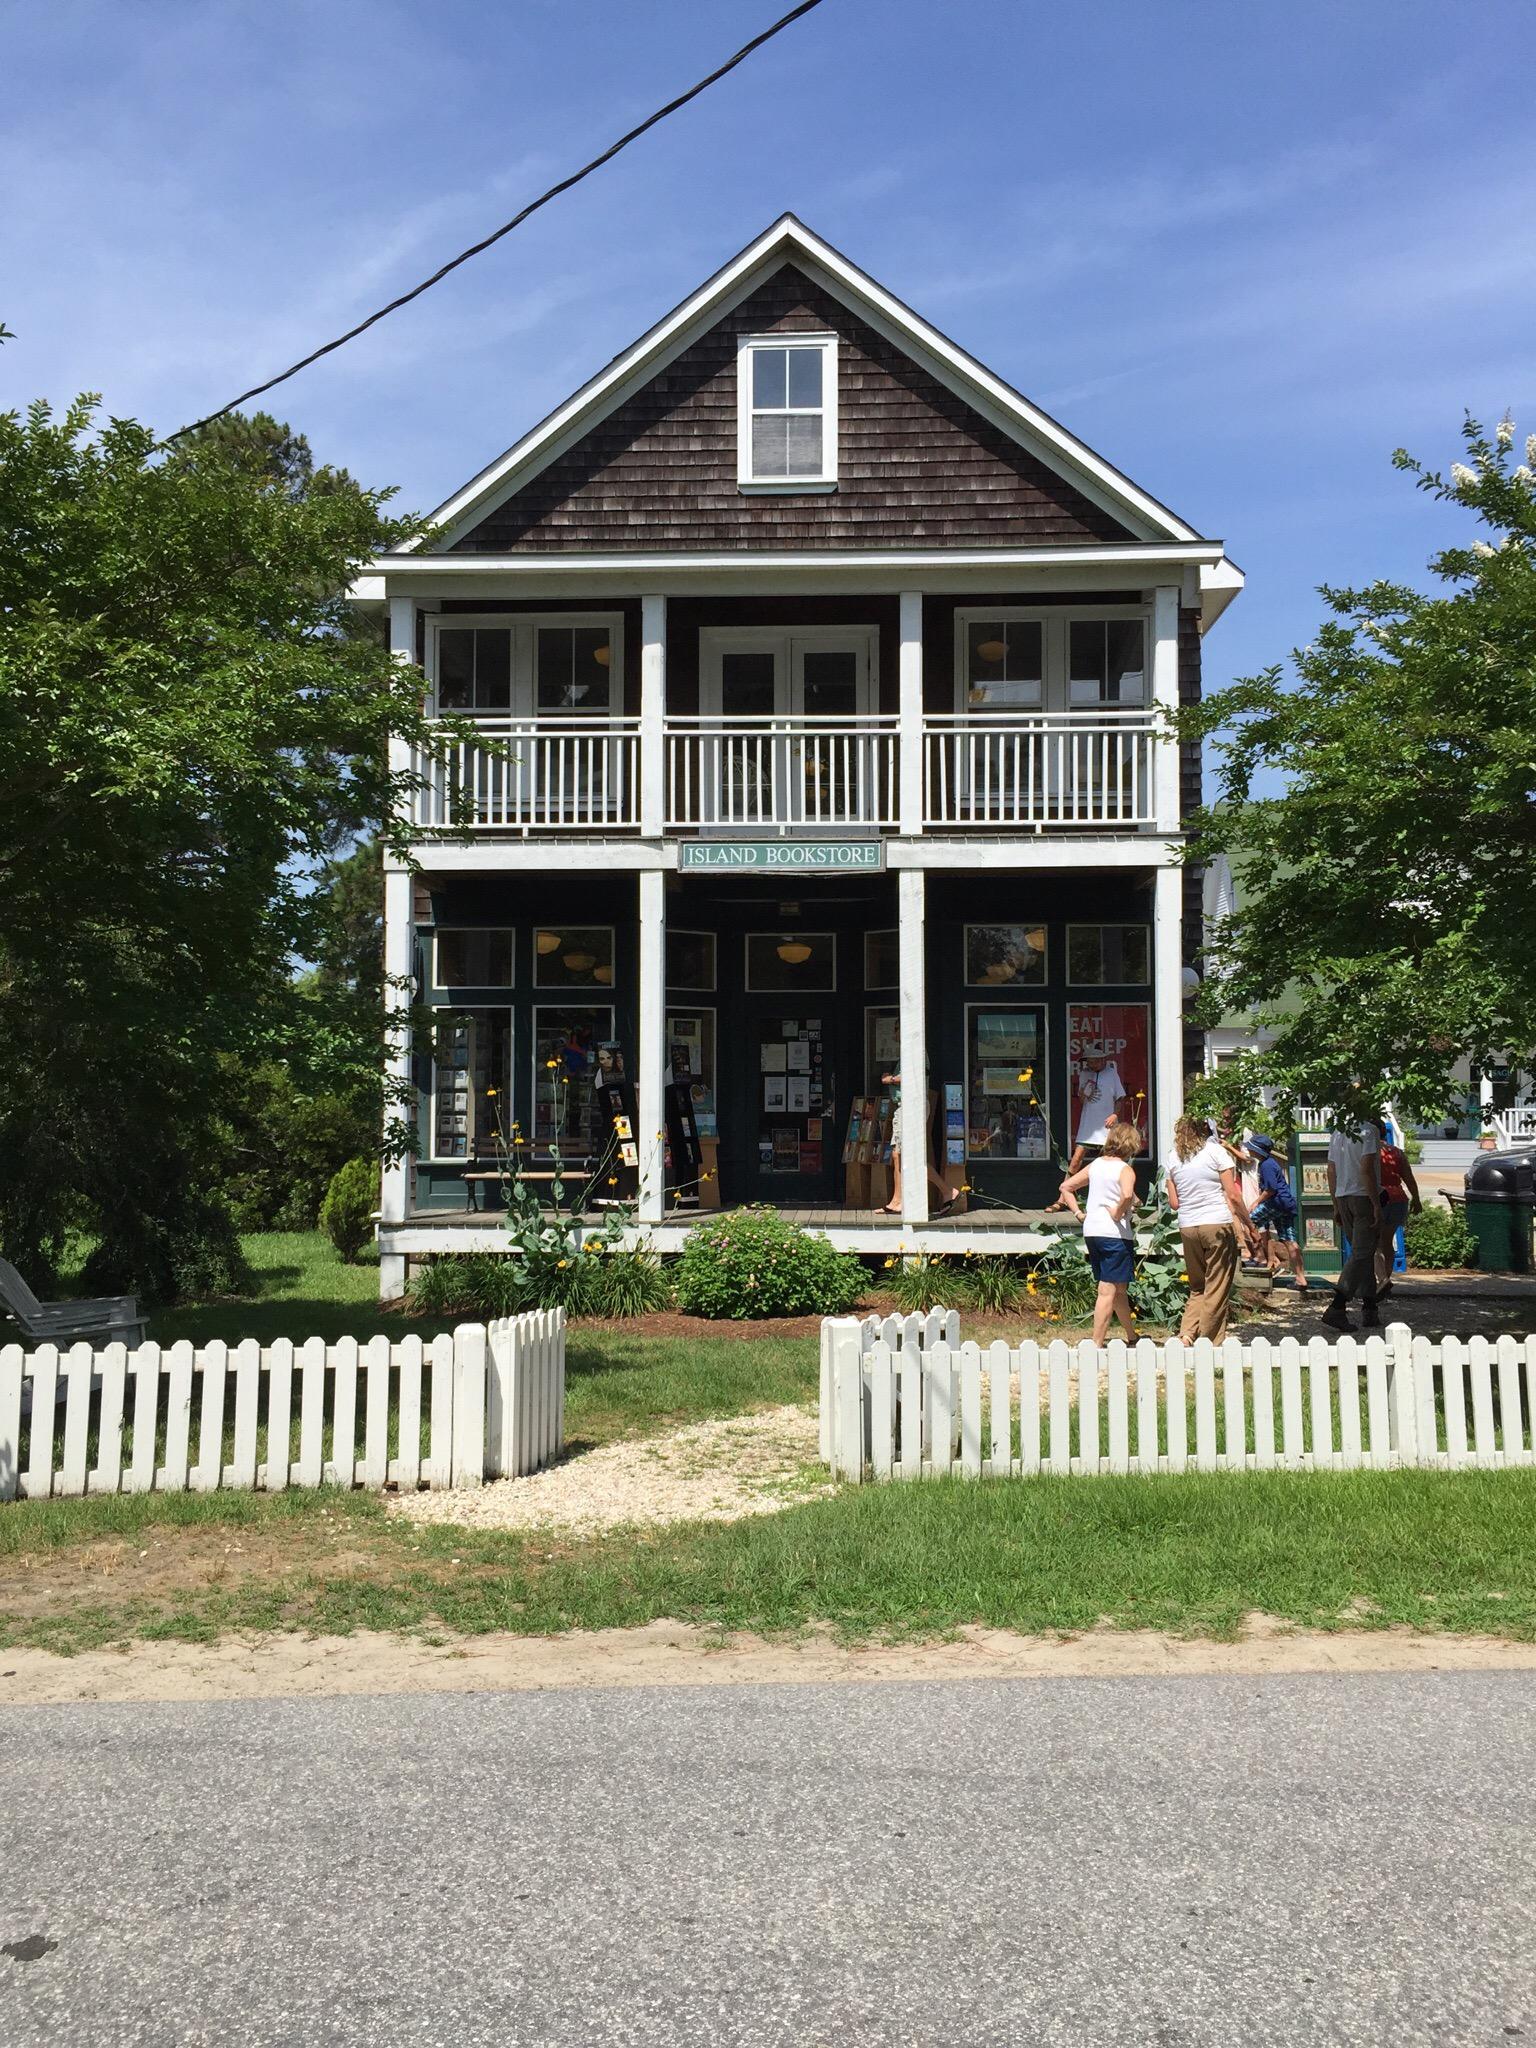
[783, 856]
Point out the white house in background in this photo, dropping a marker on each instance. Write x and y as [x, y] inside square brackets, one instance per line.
[822, 682]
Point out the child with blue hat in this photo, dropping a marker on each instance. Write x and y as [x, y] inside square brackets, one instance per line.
[1275, 1209]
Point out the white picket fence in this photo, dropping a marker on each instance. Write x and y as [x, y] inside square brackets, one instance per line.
[903, 1399]
[482, 1402]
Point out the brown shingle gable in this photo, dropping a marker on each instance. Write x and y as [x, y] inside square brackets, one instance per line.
[916, 464]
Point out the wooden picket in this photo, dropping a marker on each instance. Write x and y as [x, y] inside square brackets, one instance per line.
[479, 1402]
[903, 1397]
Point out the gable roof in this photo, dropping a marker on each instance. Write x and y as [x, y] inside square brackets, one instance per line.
[790, 241]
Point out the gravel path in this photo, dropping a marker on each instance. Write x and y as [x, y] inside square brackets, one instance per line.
[709, 1472]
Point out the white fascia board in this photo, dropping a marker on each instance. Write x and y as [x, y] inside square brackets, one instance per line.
[789, 239]
[482, 853]
[1018, 851]
[1220, 582]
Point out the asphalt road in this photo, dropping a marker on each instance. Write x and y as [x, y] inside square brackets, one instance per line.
[1120, 1861]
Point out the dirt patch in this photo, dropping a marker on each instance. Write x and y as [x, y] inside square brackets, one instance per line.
[669, 1323]
[668, 1653]
[162, 1566]
[708, 1472]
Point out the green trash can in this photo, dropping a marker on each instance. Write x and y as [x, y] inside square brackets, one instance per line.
[1501, 1209]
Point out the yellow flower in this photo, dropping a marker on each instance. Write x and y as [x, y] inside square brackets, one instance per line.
[613, 1180]
[560, 1265]
[551, 1064]
[888, 1264]
[491, 1091]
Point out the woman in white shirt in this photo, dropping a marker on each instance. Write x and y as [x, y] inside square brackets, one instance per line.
[1202, 1187]
[1107, 1238]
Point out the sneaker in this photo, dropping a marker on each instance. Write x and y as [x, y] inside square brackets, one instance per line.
[1370, 1319]
[1336, 1316]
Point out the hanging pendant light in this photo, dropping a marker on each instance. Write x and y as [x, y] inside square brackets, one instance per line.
[548, 942]
[579, 963]
[991, 650]
[602, 655]
[602, 974]
[794, 952]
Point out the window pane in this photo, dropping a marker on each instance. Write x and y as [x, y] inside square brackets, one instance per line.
[455, 669]
[997, 954]
[770, 445]
[805, 376]
[1135, 953]
[481, 959]
[747, 684]
[1100, 954]
[493, 669]
[880, 960]
[768, 968]
[831, 679]
[690, 959]
[573, 666]
[1004, 1066]
[1125, 683]
[569, 1111]
[471, 1079]
[1086, 662]
[554, 667]
[573, 957]
[1006, 664]
[1085, 953]
[803, 434]
[769, 371]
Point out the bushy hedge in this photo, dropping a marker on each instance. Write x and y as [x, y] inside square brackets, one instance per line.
[752, 1263]
[596, 1282]
[346, 1214]
[1438, 1239]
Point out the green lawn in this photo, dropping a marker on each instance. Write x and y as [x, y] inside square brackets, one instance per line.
[1190, 1554]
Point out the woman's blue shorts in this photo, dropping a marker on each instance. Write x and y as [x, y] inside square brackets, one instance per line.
[1113, 1260]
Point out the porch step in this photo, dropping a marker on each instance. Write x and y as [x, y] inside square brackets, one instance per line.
[1448, 1155]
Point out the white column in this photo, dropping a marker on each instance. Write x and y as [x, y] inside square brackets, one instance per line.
[910, 735]
[912, 978]
[653, 708]
[1168, 1007]
[1165, 696]
[651, 1053]
[399, 961]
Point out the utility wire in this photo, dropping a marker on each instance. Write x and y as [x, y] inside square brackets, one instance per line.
[506, 228]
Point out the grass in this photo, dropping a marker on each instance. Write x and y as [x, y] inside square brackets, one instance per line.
[303, 1290]
[1190, 1554]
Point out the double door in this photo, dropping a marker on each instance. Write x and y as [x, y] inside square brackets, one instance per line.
[786, 734]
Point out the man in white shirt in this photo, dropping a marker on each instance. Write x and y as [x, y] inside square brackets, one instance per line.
[1354, 1181]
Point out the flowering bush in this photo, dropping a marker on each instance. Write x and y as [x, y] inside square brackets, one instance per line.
[1063, 1286]
[753, 1263]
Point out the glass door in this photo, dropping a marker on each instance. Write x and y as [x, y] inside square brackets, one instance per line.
[781, 743]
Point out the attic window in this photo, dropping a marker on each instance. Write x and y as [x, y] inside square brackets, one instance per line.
[787, 413]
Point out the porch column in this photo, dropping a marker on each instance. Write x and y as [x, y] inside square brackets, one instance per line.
[912, 982]
[910, 732]
[1168, 1007]
[399, 961]
[1165, 697]
[651, 1052]
[653, 707]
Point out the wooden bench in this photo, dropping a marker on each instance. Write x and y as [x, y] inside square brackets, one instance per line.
[110, 1319]
[573, 1169]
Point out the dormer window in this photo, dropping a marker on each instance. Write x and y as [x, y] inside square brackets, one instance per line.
[787, 413]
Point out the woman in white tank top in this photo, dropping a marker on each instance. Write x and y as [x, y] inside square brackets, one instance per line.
[1108, 1238]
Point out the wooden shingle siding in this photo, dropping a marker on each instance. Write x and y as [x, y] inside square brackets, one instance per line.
[916, 465]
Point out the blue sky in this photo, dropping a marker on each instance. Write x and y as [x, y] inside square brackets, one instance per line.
[1245, 252]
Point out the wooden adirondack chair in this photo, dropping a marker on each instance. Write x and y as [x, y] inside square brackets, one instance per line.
[111, 1319]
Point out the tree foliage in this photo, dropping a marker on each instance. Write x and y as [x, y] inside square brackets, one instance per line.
[192, 730]
[1388, 892]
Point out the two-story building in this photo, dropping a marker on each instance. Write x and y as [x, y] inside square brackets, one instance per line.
[824, 684]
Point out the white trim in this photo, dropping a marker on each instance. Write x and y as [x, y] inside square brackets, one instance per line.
[824, 478]
[1164, 692]
[910, 707]
[789, 240]
[1041, 1079]
[683, 563]
[438, 931]
[653, 708]
[399, 975]
[400, 1241]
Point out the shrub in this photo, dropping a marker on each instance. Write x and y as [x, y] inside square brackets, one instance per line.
[992, 1285]
[1438, 1238]
[753, 1263]
[927, 1281]
[1064, 1277]
[346, 1214]
[628, 1283]
[1159, 1289]
[476, 1285]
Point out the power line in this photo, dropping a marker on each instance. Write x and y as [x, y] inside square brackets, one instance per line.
[506, 228]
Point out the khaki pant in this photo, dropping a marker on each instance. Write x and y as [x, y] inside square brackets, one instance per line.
[1210, 1259]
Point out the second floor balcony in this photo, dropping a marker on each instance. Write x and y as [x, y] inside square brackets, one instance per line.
[1005, 773]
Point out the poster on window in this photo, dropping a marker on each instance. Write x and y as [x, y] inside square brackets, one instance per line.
[1108, 1066]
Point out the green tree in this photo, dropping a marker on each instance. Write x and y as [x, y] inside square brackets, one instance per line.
[1389, 890]
[191, 730]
